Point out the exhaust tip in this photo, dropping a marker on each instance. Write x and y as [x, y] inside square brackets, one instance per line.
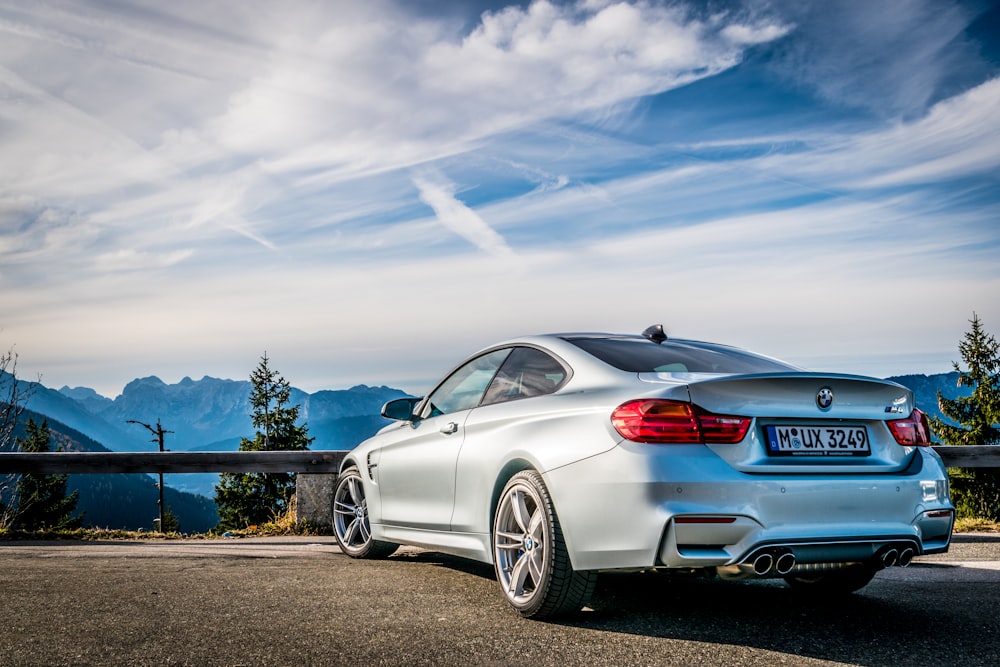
[785, 563]
[762, 564]
[889, 557]
[905, 557]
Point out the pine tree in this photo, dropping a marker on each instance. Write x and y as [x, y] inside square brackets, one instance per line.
[977, 415]
[246, 499]
[974, 420]
[42, 503]
[171, 524]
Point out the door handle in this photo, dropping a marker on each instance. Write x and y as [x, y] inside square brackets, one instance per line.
[449, 428]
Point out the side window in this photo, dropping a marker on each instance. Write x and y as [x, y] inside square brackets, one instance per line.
[464, 388]
[527, 372]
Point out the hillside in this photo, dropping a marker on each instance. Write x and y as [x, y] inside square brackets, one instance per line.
[925, 389]
[210, 414]
[122, 500]
[213, 414]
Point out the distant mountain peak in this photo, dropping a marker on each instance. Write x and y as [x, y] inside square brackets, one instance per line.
[79, 393]
[151, 381]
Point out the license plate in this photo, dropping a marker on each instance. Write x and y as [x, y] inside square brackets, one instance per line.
[817, 441]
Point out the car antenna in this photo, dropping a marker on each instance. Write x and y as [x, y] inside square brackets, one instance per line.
[655, 333]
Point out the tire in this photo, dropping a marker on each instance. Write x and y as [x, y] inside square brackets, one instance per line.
[350, 519]
[529, 553]
[838, 582]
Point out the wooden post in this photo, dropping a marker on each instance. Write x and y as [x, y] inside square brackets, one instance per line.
[158, 432]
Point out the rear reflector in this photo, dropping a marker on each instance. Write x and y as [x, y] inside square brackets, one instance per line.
[704, 519]
[662, 421]
[914, 431]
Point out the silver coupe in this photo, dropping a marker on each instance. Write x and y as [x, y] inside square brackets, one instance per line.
[555, 457]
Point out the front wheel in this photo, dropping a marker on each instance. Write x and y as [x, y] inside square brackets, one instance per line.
[530, 556]
[350, 519]
[836, 582]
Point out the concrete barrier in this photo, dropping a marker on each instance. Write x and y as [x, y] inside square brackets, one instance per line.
[314, 499]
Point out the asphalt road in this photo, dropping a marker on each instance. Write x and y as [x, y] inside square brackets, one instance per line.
[298, 601]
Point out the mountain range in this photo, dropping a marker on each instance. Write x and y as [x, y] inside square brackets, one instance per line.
[210, 414]
[213, 414]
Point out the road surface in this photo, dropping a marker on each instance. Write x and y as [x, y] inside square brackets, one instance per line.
[298, 601]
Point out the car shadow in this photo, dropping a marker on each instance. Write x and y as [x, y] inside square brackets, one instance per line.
[465, 565]
[883, 624]
[888, 622]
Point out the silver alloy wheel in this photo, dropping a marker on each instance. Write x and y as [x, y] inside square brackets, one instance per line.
[350, 519]
[521, 544]
[529, 553]
[350, 513]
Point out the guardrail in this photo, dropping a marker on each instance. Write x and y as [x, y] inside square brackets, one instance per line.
[972, 456]
[307, 461]
[316, 469]
[303, 461]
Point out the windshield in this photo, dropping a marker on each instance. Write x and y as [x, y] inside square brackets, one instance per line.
[638, 355]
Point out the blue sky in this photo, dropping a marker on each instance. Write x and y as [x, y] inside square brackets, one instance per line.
[370, 191]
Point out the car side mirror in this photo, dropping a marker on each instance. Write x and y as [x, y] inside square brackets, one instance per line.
[400, 409]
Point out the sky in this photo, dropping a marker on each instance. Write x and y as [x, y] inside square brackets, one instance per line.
[370, 191]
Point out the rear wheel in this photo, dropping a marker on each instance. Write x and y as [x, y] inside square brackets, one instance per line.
[350, 519]
[530, 556]
[836, 582]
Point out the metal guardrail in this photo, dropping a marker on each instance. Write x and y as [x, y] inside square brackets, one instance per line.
[308, 461]
[986, 456]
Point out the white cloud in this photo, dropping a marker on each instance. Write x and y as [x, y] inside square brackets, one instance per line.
[958, 137]
[135, 116]
[892, 57]
[187, 185]
[439, 194]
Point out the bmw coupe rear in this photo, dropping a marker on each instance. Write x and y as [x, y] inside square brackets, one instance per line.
[556, 457]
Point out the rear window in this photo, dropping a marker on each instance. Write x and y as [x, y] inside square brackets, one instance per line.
[638, 355]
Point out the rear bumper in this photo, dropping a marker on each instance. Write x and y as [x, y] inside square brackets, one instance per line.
[639, 506]
[691, 545]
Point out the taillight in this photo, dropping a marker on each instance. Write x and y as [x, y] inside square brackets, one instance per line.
[657, 420]
[914, 431]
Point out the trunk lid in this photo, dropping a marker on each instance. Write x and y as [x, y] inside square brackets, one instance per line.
[805, 422]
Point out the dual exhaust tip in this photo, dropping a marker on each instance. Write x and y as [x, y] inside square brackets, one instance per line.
[782, 561]
[900, 558]
[779, 562]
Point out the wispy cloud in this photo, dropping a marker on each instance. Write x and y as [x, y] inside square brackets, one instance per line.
[439, 194]
[163, 101]
[193, 183]
[893, 57]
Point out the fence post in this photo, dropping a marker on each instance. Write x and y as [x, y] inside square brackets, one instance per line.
[314, 498]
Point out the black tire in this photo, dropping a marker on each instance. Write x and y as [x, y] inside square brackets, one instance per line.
[350, 519]
[529, 553]
[837, 582]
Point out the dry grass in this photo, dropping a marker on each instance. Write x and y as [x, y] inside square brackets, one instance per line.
[976, 526]
[284, 524]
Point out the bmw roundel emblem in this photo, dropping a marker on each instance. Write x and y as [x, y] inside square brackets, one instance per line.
[824, 399]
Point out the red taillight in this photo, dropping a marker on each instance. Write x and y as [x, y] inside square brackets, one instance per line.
[914, 431]
[661, 421]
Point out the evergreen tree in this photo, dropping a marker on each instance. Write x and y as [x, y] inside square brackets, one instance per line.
[974, 420]
[246, 499]
[171, 524]
[42, 503]
[13, 396]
